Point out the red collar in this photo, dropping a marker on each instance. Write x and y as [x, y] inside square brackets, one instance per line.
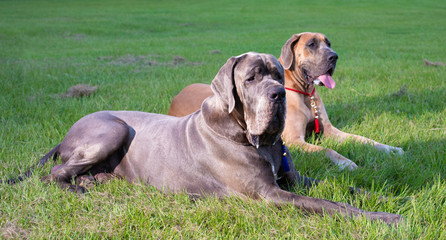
[304, 93]
[313, 105]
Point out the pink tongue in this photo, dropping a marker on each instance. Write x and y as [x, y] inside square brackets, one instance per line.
[327, 81]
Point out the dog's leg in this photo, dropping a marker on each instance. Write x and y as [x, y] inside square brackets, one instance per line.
[295, 131]
[105, 177]
[292, 178]
[321, 206]
[332, 132]
[335, 157]
[90, 141]
[287, 180]
[63, 175]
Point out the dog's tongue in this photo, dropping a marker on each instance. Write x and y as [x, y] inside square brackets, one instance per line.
[327, 81]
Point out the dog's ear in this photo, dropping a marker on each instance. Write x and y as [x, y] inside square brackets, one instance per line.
[223, 84]
[287, 54]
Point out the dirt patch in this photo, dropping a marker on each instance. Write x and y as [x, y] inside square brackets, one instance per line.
[77, 36]
[436, 64]
[179, 60]
[186, 24]
[146, 60]
[403, 91]
[130, 59]
[104, 58]
[216, 51]
[12, 231]
[79, 90]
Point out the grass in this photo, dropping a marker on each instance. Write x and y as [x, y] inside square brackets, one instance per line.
[128, 49]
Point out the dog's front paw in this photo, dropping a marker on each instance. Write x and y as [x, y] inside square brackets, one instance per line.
[341, 161]
[48, 179]
[85, 181]
[79, 190]
[396, 150]
[347, 165]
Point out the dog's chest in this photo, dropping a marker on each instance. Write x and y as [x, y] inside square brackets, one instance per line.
[273, 156]
[311, 111]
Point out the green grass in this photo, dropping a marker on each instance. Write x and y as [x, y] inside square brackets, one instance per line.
[383, 92]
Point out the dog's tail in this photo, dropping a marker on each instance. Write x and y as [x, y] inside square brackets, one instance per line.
[54, 153]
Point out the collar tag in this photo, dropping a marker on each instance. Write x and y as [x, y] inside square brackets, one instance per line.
[285, 165]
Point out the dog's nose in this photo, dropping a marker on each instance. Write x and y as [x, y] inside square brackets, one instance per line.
[276, 94]
[332, 57]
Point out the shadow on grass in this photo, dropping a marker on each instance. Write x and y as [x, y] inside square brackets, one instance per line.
[415, 115]
[422, 163]
[401, 102]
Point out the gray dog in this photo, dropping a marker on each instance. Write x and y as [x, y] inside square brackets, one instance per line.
[232, 146]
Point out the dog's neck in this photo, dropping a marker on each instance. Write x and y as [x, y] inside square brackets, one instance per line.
[295, 79]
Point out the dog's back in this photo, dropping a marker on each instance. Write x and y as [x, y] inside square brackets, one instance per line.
[189, 99]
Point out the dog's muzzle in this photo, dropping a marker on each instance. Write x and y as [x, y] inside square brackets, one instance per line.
[274, 119]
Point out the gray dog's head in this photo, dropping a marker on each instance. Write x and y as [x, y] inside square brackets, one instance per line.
[251, 88]
[311, 56]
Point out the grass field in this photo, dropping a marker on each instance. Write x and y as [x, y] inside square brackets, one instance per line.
[141, 53]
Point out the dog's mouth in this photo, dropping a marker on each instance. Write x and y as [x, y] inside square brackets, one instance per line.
[263, 140]
[271, 132]
[321, 80]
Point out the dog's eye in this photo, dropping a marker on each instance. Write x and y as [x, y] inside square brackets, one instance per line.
[327, 42]
[251, 78]
[312, 43]
[277, 75]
